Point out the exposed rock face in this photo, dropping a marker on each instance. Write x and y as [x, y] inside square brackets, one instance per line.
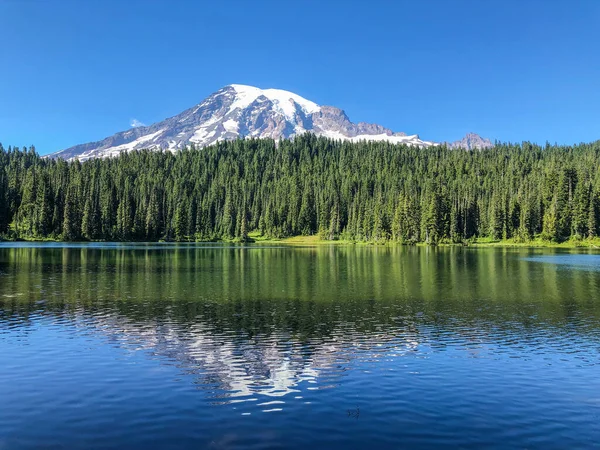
[471, 141]
[330, 120]
[245, 111]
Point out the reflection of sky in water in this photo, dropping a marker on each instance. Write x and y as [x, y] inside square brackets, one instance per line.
[577, 262]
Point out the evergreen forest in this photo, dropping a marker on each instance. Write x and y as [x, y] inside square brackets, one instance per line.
[365, 191]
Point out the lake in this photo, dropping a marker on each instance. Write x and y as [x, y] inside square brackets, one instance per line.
[226, 347]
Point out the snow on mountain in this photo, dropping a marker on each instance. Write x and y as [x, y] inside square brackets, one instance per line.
[283, 101]
[241, 111]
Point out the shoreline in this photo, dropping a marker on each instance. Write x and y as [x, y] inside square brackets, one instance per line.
[481, 243]
[315, 240]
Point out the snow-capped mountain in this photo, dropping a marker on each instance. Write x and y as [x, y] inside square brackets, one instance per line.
[238, 110]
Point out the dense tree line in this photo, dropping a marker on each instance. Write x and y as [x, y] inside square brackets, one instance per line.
[366, 191]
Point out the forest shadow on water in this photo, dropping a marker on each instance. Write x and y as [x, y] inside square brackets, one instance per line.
[350, 345]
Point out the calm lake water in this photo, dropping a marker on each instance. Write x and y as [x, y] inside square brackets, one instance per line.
[208, 346]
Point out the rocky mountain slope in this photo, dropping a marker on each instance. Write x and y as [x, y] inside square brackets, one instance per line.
[238, 110]
[471, 141]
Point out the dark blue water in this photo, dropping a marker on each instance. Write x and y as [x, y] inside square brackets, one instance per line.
[168, 346]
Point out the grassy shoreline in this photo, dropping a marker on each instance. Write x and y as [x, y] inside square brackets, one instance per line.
[483, 242]
[315, 240]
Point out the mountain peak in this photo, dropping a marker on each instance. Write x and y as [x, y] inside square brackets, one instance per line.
[240, 110]
[282, 100]
[471, 141]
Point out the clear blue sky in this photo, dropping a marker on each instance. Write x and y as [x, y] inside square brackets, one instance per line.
[75, 71]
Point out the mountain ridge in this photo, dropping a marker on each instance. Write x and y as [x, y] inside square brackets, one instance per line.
[246, 111]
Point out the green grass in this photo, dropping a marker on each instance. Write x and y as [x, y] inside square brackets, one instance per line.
[538, 242]
[479, 242]
[257, 238]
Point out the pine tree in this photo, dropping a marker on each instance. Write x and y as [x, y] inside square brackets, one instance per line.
[551, 229]
[181, 221]
[71, 222]
[592, 222]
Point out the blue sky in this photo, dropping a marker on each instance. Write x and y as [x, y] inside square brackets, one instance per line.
[76, 71]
